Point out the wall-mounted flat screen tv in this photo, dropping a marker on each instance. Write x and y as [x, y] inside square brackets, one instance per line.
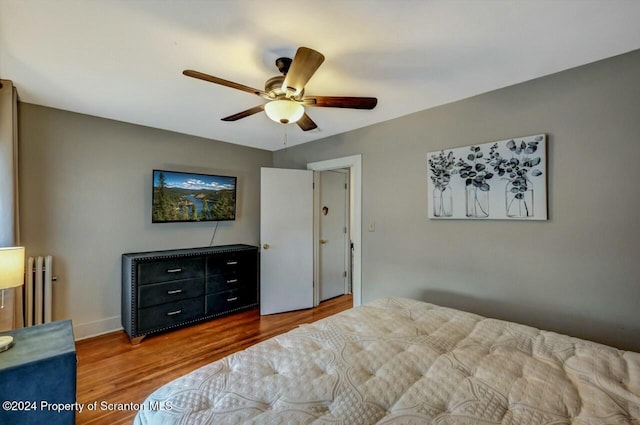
[184, 197]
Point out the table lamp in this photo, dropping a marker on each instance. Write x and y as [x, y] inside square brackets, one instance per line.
[11, 276]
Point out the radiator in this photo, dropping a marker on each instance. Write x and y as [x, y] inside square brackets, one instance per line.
[38, 296]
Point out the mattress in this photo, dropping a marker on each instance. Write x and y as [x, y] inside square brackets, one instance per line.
[400, 361]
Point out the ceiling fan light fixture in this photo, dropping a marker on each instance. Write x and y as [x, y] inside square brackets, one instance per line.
[284, 111]
[285, 93]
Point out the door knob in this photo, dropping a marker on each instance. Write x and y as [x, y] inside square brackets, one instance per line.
[265, 246]
[323, 241]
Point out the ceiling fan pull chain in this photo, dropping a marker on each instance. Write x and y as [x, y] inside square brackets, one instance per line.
[285, 137]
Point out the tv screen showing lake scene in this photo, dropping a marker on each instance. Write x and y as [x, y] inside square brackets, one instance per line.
[179, 197]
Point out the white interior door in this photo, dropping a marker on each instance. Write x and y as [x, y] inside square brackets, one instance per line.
[333, 233]
[286, 236]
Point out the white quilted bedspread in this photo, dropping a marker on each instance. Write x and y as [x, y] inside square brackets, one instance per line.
[399, 361]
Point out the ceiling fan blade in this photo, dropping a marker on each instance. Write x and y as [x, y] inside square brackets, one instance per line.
[304, 65]
[227, 83]
[306, 123]
[340, 102]
[244, 114]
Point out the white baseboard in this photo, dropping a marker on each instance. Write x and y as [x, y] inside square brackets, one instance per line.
[99, 327]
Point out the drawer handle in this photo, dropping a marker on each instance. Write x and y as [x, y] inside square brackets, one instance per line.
[231, 263]
[175, 291]
[232, 281]
[173, 313]
[232, 299]
[174, 270]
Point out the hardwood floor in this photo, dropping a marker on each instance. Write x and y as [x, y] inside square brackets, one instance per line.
[118, 376]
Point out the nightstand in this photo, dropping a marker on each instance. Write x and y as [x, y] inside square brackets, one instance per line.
[38, 376]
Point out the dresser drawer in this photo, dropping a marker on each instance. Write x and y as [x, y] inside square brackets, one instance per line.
[170, 314]
[161, 293]
[225, 282]
[172, 269]
[231, 262]
[228, 300]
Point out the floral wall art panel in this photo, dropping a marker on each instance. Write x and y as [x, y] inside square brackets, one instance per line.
[506, 179]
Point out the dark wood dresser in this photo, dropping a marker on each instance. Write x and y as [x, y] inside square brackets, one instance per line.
[162, 290]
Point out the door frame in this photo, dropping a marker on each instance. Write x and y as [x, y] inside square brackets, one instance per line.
[354, 164]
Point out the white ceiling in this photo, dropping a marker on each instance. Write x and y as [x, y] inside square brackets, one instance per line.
[124, 59]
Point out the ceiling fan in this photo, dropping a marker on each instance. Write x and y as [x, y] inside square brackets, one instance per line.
[285, 92]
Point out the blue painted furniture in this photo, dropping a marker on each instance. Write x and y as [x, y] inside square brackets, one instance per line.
[38, 376]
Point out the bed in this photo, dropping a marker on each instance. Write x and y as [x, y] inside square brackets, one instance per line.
[401, 361]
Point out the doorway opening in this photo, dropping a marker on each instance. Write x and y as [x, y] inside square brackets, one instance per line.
[334, 277]
[352, 164]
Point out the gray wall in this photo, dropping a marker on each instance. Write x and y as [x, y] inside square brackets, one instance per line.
[85, 198]
[577, 273]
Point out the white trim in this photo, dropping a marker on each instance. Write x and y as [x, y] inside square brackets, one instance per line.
[98, 327]
[347, 236]
[316, 238]
[354, 163]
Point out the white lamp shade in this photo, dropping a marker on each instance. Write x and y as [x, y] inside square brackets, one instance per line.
[11, 267]
[284, 111]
